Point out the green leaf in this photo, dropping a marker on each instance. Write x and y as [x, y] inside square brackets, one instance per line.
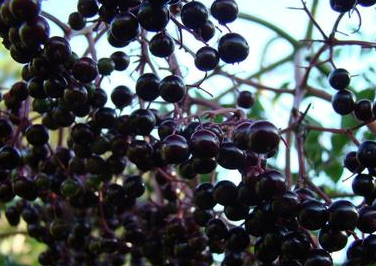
[311, 121]
[205, 178]
[366, 94]
[257, 110]
[339, 141]
[313, 149]
[334, 170]
[368, 135]
[218, 119]
[348, 121]
[284, 85]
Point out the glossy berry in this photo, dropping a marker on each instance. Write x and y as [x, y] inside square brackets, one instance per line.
[25, 9]
[366, 3]
[172, 89]
[116, 164]
[240, 135]
[25, 188]
[342, 6]
[105, 66]
[74, 97]
[238, 239]
[147, 87]
[355, 249]
[186, 170]
[225, 192]
[318, 257]
[363, 185]
[216, 229]
[35, 31]
[134, 186]
[125, 27]
[233, 48]
[363, 110]
[367, 220]
[295, 245]
[87, 8]
[153, 18]
[114, 42]
[206, 58]
[105, 117]
[76, 21]
[166, 128]
[245, 99]
[260, 220]
[121, 96]
[161, 45]
[343, 102]
[342, 215]
[203, 196]
[142, 122]
[225, 11]
[10, 157]
[204, 144]
[85, 70]
[203, 165]
[175, 149]
[270, 184]
[313, 215]
[236, 211]
[366, 153]
[12, 215]
[70, 187]
[82, 134]
[57, 49]
[230, 156]
[138, 150]
[332, 240]
[265, 252]
[194, 15]
[369, 247]
[6, 128]
[37, 135]
[263, 137]
[206, 31]
[19, 91]
[352, 163]
[339, 78]
[285, 205]
[121, 60]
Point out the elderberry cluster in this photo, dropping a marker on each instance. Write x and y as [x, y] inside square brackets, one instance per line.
[121, 183]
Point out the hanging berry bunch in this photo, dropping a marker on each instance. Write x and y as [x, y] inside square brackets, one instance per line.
[128, 175]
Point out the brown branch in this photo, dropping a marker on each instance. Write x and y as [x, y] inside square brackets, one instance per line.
[253, 83]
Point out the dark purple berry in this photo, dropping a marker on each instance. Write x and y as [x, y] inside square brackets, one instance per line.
[233, 48]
